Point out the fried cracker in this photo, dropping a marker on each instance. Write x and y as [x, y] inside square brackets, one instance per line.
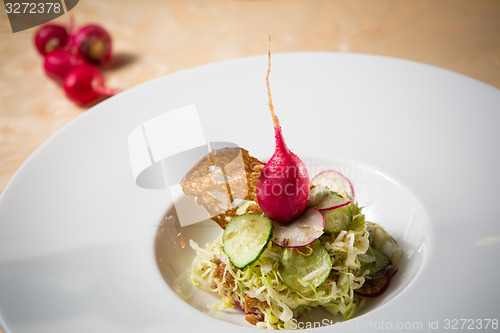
[221, 179]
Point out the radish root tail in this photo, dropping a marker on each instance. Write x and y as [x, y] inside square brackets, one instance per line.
[271, 106]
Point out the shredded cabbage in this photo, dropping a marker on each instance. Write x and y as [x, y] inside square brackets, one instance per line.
[270, 296]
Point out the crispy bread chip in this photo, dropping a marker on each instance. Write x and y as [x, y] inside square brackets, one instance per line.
[221, 179]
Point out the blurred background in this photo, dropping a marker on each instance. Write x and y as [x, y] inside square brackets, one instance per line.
[157, 37]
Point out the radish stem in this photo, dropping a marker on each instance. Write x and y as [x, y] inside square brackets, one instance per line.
[278, 133]
[271, 106]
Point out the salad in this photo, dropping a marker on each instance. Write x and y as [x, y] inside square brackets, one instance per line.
[289, 243]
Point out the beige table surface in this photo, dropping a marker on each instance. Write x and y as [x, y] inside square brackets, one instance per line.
[157, 37]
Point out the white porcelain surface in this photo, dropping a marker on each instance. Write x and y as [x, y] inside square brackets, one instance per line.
[77, 235]
[406, 221]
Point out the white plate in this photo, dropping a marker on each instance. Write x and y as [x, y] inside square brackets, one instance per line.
[77, 235]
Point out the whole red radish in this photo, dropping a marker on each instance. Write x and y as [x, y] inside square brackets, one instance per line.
[85, 84]
[93, 43]
[59, 62]
[50, 37]
[283, 185]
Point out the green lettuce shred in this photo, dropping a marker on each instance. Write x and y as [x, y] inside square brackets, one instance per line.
[278, 303]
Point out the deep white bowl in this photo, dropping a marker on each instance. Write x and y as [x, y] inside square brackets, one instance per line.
[80, 240]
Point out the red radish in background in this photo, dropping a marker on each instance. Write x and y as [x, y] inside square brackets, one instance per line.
[68, 57]
[85, 84]
[283, 185]
[60, 62]
[93, 43]
[50, 37]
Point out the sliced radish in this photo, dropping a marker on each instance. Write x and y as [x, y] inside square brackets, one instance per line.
[335, 181]
[323, 198]
[301, 232]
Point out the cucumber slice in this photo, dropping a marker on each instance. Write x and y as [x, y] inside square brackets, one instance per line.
[367, 258]
[305, 268]
[246, 237]
[325, 199]
[379, 265]
[337, 219]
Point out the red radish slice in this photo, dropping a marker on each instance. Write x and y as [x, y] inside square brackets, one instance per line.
[322, 198]
[301, 232]
[335, 181]
[238, 304]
